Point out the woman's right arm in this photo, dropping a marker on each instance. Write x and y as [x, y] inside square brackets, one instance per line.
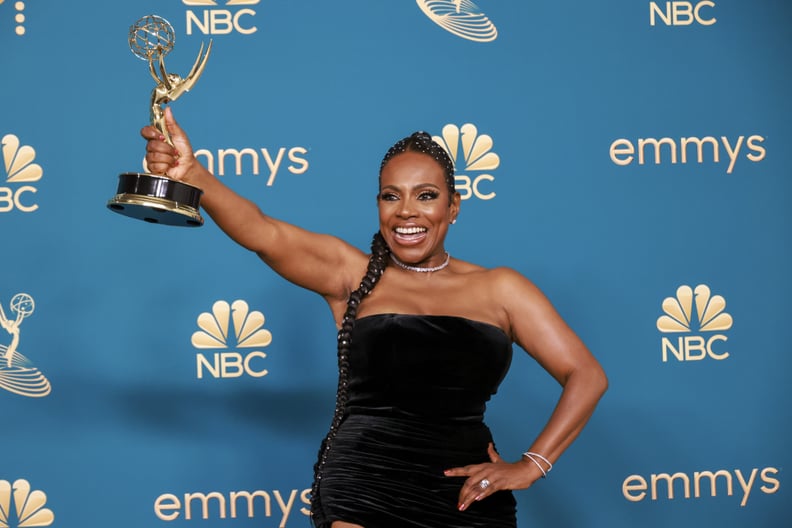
[320, 263]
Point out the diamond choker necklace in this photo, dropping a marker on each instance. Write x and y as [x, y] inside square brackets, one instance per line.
[421, 270]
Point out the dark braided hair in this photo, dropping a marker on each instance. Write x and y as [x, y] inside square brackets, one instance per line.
[376, 266]
[422, 142]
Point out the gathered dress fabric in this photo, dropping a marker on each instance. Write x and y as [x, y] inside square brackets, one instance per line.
[418, 387]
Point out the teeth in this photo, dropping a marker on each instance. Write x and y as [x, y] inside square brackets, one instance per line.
[410, 230]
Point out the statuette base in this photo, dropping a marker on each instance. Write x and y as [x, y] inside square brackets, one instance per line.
[157, 200]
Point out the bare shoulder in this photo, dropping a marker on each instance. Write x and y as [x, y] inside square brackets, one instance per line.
[504, 281]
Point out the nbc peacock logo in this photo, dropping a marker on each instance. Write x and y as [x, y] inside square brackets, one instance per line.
[19, 169]
[215, 332]
[21, 507]
[462, 18]
[473, 159]
[709, 317]
[17, 373]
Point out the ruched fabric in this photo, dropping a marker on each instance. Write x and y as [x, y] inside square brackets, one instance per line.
[418, 388]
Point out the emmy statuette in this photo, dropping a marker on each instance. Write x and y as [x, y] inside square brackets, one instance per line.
[156, 198]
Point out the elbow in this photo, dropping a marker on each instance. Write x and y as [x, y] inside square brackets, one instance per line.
[597, 381]
[591, 378]
[601, 381]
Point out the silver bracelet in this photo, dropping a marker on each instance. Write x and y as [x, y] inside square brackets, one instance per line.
[530, 455]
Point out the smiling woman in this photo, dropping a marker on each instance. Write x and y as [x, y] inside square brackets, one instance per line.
[422, 345]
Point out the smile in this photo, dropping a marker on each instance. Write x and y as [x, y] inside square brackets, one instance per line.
[410, 230]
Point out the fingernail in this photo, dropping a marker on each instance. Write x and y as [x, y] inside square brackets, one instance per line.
[447, 471]
[461, 507]
[161, 137]
[176, 163]
[479, 497]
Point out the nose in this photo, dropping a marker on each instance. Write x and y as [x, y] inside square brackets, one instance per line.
[406, 208]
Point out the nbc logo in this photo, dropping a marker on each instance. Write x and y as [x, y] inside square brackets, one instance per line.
[678, 318]
[463, 18]
[220, 21]
[248, 331]
[464, 144]
[28, 506]
[681, 13]
[17, 373]
[19, 18]
[19, 168]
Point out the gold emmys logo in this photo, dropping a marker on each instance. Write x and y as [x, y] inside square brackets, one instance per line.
[220, 21]
[249, 332]
[234, 504]
[218, 162]
[636, 488]
[17, 373]
[678, 318]
[28, 506]
[463, 18]
[465, 144]
[19, 18]
[19, 168]
[687, 149]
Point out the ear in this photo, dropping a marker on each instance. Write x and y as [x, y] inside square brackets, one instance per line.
[453, 209]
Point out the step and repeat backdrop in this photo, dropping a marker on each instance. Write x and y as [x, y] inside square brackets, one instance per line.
[631, 157]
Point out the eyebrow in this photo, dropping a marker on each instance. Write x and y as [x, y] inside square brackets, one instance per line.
[420, 186]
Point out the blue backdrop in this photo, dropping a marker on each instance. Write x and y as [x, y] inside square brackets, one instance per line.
[630, 157]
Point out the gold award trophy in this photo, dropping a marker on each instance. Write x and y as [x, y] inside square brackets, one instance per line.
[156, 198]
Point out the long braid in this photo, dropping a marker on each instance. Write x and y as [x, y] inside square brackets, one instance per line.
[376, 266]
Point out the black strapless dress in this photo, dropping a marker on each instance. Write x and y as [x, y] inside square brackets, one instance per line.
[417, 394]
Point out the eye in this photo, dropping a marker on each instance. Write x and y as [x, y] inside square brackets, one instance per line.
[428, 195]
[388, 196]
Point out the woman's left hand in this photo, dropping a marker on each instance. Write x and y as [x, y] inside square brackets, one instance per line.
[485, 479]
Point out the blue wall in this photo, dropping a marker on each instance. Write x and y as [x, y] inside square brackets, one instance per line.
[637, 148]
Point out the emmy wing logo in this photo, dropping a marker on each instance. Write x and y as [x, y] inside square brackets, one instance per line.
[465, 144]
[211, 21]
[19, 168]
[679, 318]
[214, 333]
[460, 17]
[20, 507]
[17, 373]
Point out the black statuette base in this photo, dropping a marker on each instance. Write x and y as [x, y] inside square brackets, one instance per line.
[157, 200]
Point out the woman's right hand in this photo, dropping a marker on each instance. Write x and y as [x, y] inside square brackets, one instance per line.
[177, 161]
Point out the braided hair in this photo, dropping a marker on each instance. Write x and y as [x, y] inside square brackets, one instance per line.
[378, 261]
[422, 142]
[376, 266]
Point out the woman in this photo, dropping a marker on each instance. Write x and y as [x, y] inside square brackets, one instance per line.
[424, 340]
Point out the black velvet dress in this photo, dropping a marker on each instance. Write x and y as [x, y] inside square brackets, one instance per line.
[417, 394]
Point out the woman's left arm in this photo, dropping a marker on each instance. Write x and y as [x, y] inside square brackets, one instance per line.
[539, 329]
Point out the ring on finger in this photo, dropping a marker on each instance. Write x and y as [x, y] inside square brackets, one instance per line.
[484, 484]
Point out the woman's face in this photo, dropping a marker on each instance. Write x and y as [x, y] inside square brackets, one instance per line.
[415, 209]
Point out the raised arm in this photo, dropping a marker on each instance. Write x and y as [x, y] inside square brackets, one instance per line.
[539, 329]
[320, 263]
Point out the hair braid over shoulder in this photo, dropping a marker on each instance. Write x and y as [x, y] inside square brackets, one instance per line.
[376, 266]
